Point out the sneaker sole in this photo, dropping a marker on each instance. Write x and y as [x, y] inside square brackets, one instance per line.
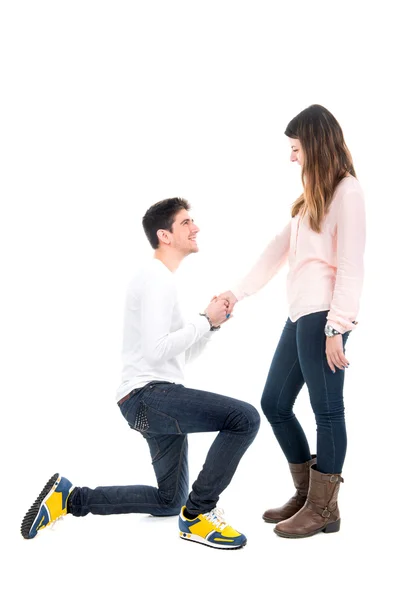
[199, 540]
[33, 512]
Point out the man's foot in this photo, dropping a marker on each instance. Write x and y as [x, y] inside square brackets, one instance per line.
[210, 529]
[49, 506]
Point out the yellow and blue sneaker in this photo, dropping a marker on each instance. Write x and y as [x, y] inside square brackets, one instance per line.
[210, 529]
[49, 506]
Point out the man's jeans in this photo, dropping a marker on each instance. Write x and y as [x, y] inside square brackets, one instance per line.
[164, 413]
[300, 357]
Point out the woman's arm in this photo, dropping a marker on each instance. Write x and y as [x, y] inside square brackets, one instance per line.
[350, 262]
[268, 264]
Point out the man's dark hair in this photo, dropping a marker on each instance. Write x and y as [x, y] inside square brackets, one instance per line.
[161, 216]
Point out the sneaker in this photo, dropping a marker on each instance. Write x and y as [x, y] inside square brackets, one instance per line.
[210, 529]
[50, 506]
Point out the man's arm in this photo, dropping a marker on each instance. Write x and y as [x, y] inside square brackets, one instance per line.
[197, 348]
[157, 305]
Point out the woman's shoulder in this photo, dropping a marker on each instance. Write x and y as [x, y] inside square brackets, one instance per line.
[348, 185]
[348, 196]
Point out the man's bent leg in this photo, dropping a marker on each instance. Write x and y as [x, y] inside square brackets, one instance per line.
[238, 431]
[170, 463]
[172, 408]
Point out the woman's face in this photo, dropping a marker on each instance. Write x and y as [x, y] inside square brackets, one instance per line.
[296, 154]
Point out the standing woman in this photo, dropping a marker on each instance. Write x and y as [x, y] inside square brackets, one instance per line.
[324, 244]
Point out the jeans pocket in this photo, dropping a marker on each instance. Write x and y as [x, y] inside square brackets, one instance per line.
[157, 421]
[134, 411]
[140, 422]
[130, 410]
[144, 418]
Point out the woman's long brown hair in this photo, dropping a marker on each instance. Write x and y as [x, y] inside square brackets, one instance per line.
[326, 161]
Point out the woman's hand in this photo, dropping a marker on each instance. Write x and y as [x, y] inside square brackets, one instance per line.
[216, 311]
[334, 353]
[230, 298]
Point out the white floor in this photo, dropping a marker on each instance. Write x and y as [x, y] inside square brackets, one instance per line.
[100, 557]
[143, 556]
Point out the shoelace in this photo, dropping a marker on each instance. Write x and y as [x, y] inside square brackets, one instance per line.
[215, 516]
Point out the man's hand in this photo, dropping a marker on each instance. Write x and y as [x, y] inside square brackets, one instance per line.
[230, 299]
[217, 311]
[334, 353]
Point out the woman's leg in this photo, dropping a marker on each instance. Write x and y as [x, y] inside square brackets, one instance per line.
[284, 382]
[326, 392]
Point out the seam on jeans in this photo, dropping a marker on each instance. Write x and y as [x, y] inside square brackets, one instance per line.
[154, 440]
[179, 469]
[327, 408]
[280, 394]
[88, 506]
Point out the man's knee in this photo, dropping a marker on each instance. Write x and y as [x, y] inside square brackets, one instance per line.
[173, 500]
[254, 419]
[244, 419]
[172, 506]
[250, 420]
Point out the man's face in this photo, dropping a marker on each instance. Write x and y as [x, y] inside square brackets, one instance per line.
[184, 232]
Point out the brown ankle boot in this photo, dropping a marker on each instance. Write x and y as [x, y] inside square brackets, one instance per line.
[301, 476]
[320, 512]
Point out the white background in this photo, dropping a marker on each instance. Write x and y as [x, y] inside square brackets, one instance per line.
[106, 108]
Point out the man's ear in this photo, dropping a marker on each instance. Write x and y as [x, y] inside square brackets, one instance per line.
[163, 236]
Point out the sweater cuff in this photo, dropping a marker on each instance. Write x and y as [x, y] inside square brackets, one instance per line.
[237, 292]
[342, 327]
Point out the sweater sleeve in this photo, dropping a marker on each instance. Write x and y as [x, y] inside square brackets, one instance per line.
[350, 262]
[268, 264]
[157, 305]
[197, 348]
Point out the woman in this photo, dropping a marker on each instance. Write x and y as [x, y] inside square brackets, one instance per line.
[324, 243]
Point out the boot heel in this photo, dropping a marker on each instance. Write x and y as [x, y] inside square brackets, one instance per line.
[332, 527]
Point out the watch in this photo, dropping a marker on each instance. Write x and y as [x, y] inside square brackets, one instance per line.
[212, 327]
[330, 332]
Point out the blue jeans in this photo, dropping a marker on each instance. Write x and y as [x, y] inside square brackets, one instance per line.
[300, 358]
[164, 413]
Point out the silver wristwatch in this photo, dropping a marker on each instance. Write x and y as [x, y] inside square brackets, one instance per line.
[330, 331]
[212, 327]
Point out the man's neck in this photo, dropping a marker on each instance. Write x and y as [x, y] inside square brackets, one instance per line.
[169, 259]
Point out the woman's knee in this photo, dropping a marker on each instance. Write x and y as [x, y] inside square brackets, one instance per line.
[269, 405]
[275, 409]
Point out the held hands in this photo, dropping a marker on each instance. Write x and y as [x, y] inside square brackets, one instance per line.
[217, 311]
[230, 299]
[220, 308]
[334, 353]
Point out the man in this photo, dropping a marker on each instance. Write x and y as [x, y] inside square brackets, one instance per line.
[157, 343]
